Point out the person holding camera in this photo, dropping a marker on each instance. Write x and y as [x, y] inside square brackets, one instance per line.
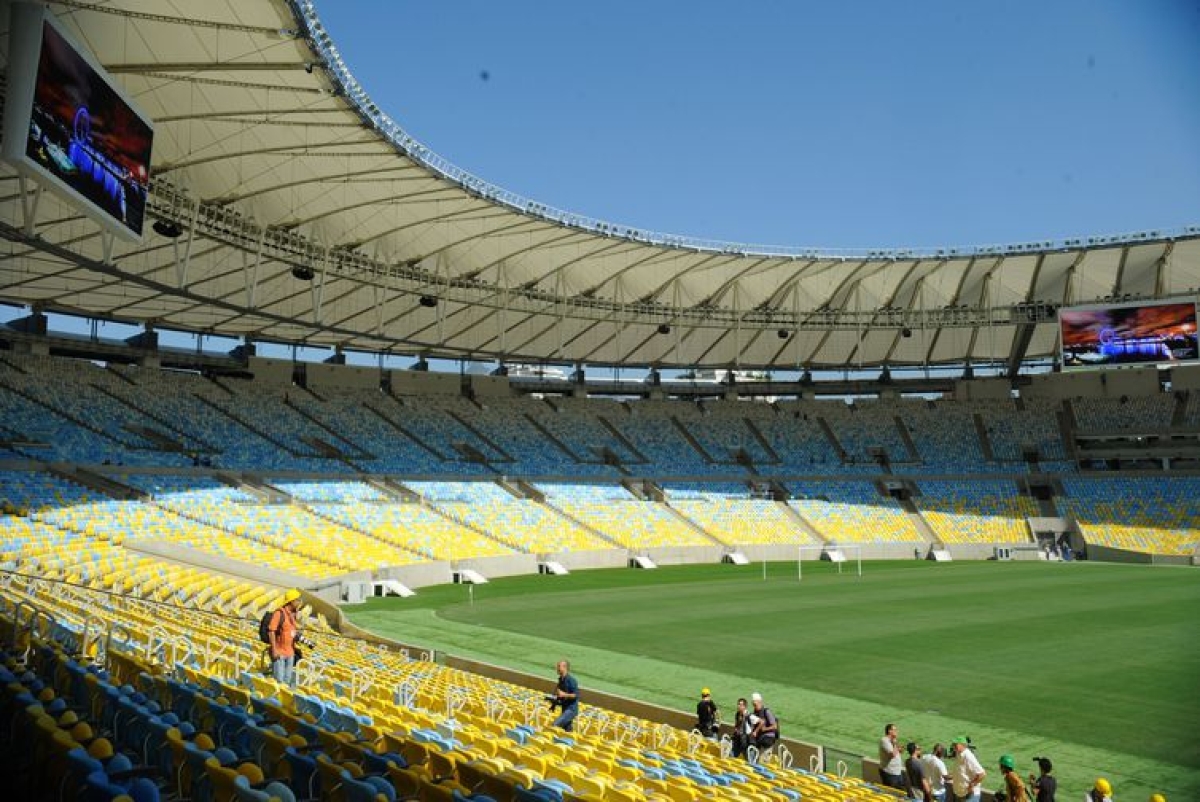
[708, 721]
[284, 636]
[1045, 785]
[566, 697]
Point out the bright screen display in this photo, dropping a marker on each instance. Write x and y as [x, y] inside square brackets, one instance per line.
[85, 135]
[1128, 334]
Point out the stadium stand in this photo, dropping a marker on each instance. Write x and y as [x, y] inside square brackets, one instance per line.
[853, 512]
[729, 512]
[192, 716]
[1150, 413]
[1011, 429]
[1154, 515]
[977, 511]
[867, 425]
[415, 528]
[945, 437]
[613, 513]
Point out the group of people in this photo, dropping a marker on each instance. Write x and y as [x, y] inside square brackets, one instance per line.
[925, 777]
[754, 724]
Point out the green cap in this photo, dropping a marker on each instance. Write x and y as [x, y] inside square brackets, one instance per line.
[1007, 762]
[959, 739]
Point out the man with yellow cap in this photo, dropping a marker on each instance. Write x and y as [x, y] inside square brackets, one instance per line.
[707, 721]
[284, 634]
[1101, 791]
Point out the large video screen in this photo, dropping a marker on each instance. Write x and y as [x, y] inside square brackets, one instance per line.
[76, 127]
[1124, 334]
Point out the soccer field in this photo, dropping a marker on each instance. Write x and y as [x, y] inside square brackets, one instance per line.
[1094, 665]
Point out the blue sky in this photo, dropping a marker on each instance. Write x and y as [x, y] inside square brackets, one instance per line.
[836, 124]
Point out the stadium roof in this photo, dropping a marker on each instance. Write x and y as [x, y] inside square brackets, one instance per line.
[271, 157]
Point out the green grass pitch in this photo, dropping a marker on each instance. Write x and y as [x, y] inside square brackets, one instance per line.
[1094, 665]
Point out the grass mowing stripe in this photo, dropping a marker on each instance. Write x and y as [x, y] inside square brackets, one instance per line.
[1093, 664]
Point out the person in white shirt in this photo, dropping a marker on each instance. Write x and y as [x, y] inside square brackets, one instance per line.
[968, 773]
[935, 771]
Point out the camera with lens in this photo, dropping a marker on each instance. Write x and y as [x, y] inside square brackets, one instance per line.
[553, 701]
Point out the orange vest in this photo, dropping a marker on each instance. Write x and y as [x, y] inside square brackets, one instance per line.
[283, 632]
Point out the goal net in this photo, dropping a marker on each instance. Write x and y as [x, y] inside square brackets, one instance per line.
[849, 556]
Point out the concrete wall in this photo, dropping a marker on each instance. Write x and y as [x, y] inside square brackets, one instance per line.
[511, 565]
[583, 560]
[971, 551]
[275, 372]
[419, 575]
[321, 376]
[1049, 525]
[772, 552]
[684, 555]
[1185, 378]
[419, 382]
[1134, 382]
[490, 387]
[982, 389]
[1111, 383]
[1108, 554]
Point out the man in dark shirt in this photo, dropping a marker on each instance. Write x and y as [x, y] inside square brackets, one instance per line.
[566, 697]
[706, 715]
[914, 770]
[1045, 785]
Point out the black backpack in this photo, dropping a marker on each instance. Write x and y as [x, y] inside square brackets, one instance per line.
[264, 627]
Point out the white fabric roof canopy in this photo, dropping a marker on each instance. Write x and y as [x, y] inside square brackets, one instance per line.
[269, 156]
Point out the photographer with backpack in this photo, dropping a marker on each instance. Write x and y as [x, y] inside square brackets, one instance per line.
[281, 632]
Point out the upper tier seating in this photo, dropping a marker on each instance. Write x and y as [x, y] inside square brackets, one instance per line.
[1011, 430]
[1137, 414]
[946, 438]
[866, 425]
[651, 426]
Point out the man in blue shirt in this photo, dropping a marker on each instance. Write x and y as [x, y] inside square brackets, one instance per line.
[566, 696]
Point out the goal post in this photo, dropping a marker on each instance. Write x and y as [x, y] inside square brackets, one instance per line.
[836, 554]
